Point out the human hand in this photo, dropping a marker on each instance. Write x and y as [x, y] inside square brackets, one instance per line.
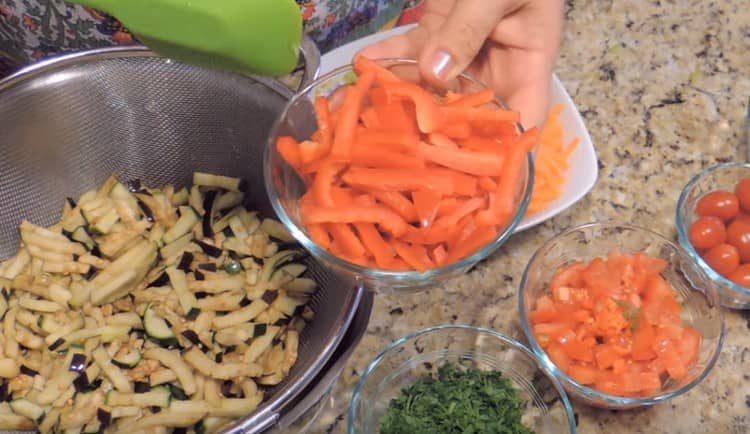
[509, 44]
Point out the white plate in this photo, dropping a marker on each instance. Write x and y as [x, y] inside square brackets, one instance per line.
[583, 166]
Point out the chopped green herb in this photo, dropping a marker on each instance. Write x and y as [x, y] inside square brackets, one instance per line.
[457, 401]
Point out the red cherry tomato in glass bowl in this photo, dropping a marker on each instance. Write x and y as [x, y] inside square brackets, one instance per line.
[724, 258]
[738, 235]
[742, 216]
[742, 190]
[720, 203]
[707, 232]
[741, 275]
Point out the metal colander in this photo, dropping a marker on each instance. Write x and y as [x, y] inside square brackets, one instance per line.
[68, 123]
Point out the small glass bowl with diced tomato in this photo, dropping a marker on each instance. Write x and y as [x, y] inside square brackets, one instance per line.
[394, 182]
[713, 225]
[624, 317]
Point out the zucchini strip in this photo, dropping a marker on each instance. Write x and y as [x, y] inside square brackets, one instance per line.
[226, 371]
[179, 414]
[173, 361]
[245, 314]
[115, 375]
[159, 397]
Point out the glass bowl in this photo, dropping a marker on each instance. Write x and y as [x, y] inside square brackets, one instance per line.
[547, 409]
[285, 188]
[724, 177]
[696, 293]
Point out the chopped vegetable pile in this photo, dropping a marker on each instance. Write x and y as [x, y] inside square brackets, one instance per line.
[402, 179]
[614, 324]
[147, 309]
[457, 401]
[721, 234]
[550, 162]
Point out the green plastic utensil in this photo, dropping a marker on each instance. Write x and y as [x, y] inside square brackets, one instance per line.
[245, 36]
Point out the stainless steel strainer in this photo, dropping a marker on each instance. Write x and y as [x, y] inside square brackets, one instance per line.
[68, 123]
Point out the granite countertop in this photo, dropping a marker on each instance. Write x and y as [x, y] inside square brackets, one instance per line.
[662, 85]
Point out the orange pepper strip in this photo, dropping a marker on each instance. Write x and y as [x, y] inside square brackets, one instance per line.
[382, 75]
[319, 235]
[465, 185]
[397, 202]
[476, 99]
[323, 115]
[502, 202]
[482, 144]
[439, 255]
[345, 238]
[442, 141]
[374, 242]
[289, 150]
[387, 219]
[311, 151]
[487, 184]
[322, 184]
[477, 239]
[400, 180]
[414, 255]
[369, 118]
[447, 206]
[429, 116]
[456, 130]
[404, 140]
[480, 114]
[462, 211]
[426, 203]
[349, 115]
[473, 163]
[384, 158]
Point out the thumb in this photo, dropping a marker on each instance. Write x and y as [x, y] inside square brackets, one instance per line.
[452, 48]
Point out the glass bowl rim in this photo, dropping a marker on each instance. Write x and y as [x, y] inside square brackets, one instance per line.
[588, 392]
[376, 273]
[682, 233]
[538, 362]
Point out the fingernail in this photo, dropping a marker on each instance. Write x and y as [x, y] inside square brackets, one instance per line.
[441, 64]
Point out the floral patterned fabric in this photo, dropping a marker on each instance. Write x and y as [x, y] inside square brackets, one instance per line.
[31, 30]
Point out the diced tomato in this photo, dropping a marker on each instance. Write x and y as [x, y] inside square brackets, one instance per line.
[558, 356]
[639, 381]
[614, 324]
[670, 358]
[648, 265]
[551, 329]
[545, 302]
[578, 350]
[619, 366]
[543, 315]
[582, 373]
[598, 279]
[571, 276]
[605, 356]
[689, 345]
[643, 341]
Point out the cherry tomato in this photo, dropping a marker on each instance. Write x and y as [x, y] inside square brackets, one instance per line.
[741, 275]
[723, 258]
[707, 232]
[720, 203]
[742, 216]
[742, 190]
[738, 235]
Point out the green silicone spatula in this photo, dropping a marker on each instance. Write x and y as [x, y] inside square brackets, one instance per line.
[246, 36]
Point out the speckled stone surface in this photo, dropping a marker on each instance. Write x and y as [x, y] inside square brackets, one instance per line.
[662, 86]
